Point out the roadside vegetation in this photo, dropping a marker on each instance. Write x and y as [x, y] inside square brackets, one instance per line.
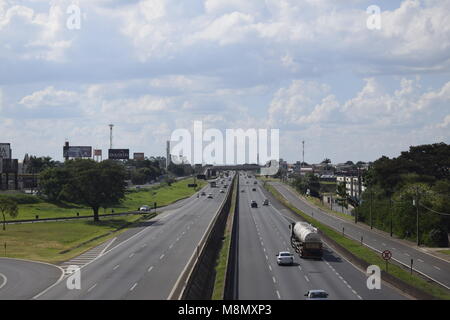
[222, 260]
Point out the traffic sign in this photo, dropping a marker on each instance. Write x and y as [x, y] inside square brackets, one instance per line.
[387, 255]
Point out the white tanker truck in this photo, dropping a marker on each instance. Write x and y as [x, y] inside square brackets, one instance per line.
[305, 240]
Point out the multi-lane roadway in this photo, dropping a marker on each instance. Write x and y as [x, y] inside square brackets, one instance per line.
[433, 267]
[143, 262]
[263, 232]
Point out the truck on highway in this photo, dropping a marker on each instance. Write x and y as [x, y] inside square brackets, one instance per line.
[213, 184]
[305, 240]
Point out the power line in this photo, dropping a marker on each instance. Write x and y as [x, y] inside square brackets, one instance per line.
[434, 211]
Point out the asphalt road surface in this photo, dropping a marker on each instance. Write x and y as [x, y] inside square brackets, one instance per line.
[263, 232]
[20, 279]
[434, 268]
[147, 263]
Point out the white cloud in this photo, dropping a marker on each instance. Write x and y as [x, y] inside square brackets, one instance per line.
[49, 97]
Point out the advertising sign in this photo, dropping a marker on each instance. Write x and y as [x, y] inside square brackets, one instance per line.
[97, 152]
[139, 156]
[10, 166]
[5, 151]
[119, 154]
[77, 152]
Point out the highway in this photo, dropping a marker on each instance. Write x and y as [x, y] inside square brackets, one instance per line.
[21, 279]
[263, 232]
[145, 264]
[433, 267]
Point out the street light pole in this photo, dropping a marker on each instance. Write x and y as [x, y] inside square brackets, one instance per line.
[390, 210]
[371, 222]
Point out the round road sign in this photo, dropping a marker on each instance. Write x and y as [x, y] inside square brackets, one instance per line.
[386, 255]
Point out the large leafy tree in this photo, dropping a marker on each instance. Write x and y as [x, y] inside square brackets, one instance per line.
[97, 185]
[8, 207]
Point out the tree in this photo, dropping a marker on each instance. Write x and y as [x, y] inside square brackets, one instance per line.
[8, 207]
[97, 185]
[52, 181]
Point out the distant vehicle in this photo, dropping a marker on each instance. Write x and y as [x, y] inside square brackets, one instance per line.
[203, 193]
[305, 240]
[253, 204]
[254, 189]
[266, 202]
[254, 182]
[213, 184]
[145, 209]
[247, 182]
[225, 186]
[285, 257]
[316, 295]
[243, 190]
[210, 196]
[222, 191]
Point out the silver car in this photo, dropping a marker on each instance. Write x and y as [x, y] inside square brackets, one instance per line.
[316, 295]
[285, 258]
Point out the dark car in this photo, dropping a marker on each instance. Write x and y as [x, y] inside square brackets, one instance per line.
[254, 189]
[253, 204]
[266, 202]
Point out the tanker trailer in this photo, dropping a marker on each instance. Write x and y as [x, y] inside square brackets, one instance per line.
[305, 240]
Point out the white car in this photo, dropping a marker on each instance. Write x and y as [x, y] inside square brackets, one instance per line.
[145, 209]
[316, 295]
[222, 191]
[210, 196]
[285, 257]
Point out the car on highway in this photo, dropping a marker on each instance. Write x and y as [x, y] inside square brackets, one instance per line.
[254, 204]
[254, 189]
[145, 209]
[285, 258]
[210, 196]
[243, 190]
[203, 193]
[266, 202]
[316, 295]
[222, 191]
[254, 182]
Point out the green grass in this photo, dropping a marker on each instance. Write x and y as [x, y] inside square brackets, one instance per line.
[367, 254]
[445, 251]
[222, 261]
[46, 241]
[162, 195]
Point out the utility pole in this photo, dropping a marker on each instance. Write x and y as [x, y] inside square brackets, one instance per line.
[390, 211]
[371, 221]
[111, 136]
[416, 203]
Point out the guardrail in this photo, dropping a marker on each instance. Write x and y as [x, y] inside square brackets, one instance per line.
[184, 280]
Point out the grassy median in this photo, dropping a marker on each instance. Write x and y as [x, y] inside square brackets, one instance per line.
[222, 260]
[368, 255]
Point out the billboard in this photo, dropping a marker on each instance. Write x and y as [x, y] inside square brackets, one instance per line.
[97, 152]
[5, 151]
[77, 152]
[9, 166]
[119, 154]
[139, 156]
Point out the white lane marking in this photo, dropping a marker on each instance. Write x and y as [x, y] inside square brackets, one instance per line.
[162, 256]
[116, 267]
[5, 280]
[274, 280]
[178, 239]
[144, 245]
[107, 246]
[407, 254]
[437, 268]
[134, 286]
[150, 269]
[278, 294]
[384, 244]
[171, 246]
[394, 248]
[267, 258]
[131, 255]
[306, 278]
[300, 268]
[420, 260]
[91, 288]
[270, 268]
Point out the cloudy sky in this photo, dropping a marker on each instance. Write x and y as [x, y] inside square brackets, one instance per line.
[311, 68]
